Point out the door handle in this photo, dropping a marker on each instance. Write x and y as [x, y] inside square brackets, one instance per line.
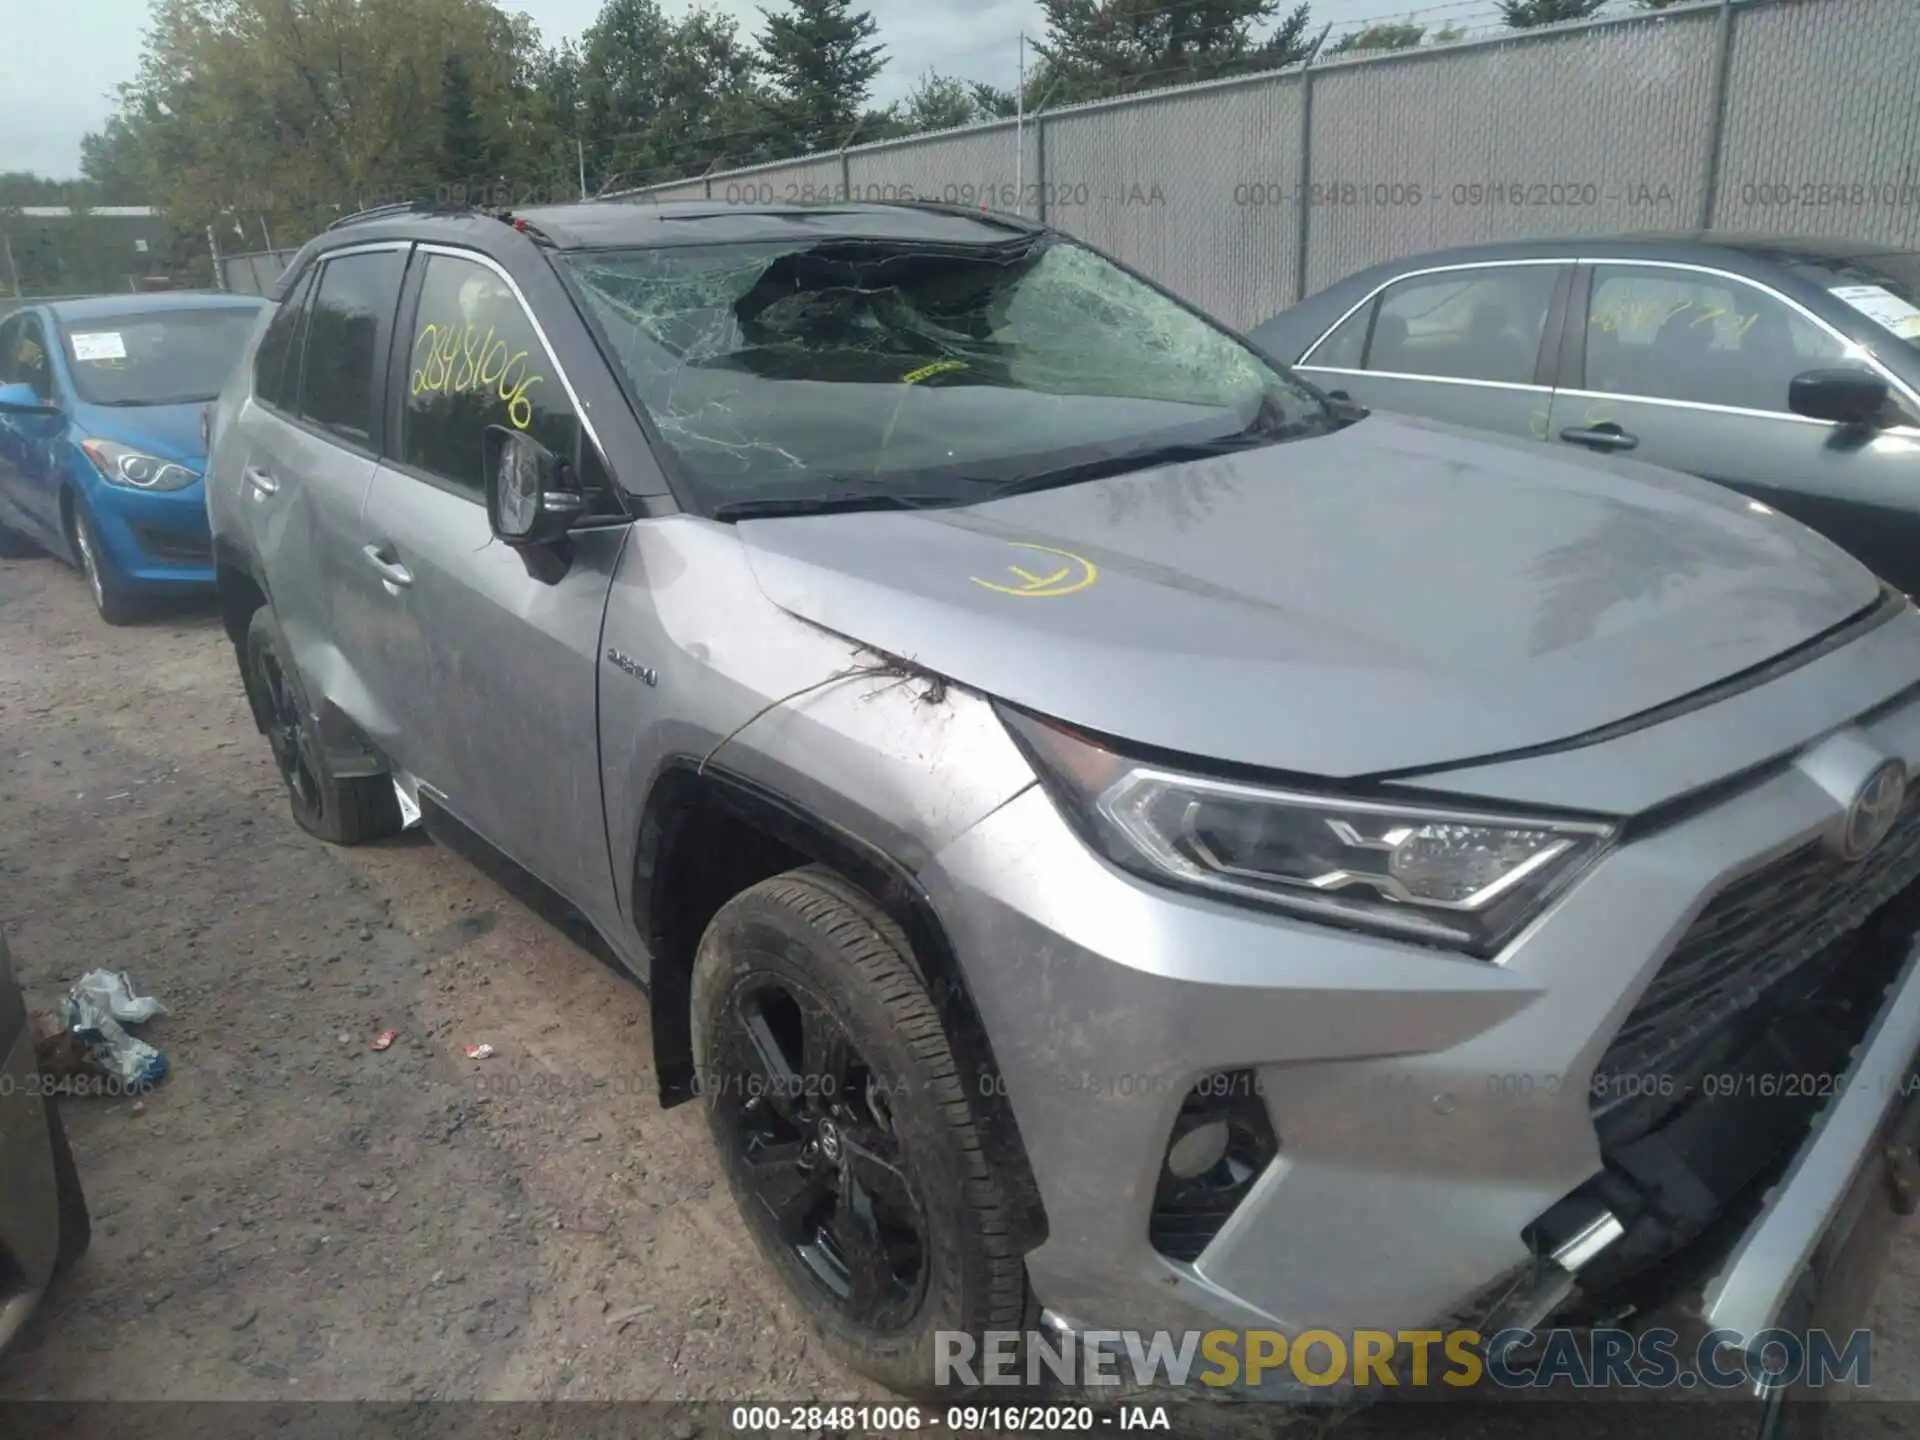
[261, 481]
[1604, 436]
[382, 558]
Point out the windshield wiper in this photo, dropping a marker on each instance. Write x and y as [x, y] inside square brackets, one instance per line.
[165, 400]
[1177, 453]
[773, 506]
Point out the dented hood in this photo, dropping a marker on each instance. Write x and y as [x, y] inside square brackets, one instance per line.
[1400, 593]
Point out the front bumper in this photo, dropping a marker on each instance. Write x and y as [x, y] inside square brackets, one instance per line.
[1429, 1107]
[157, 540]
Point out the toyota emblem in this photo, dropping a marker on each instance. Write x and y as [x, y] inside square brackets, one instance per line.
[1874, 810]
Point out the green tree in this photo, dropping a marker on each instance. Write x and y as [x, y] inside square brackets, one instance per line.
[1387, 36]
[665, 98]
[990, 102]
[821, 58]
[293, 111]
[1097, 48]
[22, 187]
[943, 102]
[465, 156]
[1526, 14]
[113, 164]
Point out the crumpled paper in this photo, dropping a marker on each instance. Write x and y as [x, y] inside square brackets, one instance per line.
[100, 1004]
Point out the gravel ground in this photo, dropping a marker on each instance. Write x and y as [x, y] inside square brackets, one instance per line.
[295, 1217]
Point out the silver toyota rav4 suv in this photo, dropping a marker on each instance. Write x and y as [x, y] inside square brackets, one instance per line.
[1112, 838]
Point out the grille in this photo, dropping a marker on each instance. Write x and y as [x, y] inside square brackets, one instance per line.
[1753, 934]
[171, 545]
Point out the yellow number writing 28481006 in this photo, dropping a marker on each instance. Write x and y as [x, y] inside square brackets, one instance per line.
[460, 359]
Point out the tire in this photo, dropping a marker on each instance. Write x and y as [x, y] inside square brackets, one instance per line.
[349, 811]
[76, 1225]
[116, 604]
[808, 963]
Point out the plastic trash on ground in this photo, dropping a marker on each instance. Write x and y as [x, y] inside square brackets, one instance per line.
[98, 1006]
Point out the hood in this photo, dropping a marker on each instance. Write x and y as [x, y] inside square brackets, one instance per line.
[1400, 593]
[169, 431]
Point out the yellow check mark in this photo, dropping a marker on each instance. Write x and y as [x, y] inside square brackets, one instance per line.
[1076, 575]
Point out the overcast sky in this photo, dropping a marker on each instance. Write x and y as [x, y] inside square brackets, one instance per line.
[62, 58]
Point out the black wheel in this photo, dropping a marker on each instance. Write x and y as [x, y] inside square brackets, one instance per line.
[845, 1130]
[110, 595]
[341, 811]
[76, 1225]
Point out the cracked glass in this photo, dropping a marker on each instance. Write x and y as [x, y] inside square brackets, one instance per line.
[917, 371]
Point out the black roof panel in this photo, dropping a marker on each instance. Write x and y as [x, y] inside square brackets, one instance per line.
[606, 224]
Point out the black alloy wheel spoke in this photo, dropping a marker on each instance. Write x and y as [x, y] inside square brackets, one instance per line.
[784, 1181]
[770, 1075]
[862, 1248]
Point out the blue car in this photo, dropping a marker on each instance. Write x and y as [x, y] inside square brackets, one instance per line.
[102, 445]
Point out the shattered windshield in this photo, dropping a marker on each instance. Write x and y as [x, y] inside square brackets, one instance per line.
[910, 371]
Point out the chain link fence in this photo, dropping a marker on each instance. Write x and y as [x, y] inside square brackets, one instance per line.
[57, 251]
[1776, 116]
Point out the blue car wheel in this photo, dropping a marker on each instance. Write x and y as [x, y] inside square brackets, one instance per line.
[110, 595]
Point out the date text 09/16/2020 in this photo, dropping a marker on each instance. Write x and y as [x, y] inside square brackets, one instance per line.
[957, 1419]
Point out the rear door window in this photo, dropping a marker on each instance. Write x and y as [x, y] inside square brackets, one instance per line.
[346, 344]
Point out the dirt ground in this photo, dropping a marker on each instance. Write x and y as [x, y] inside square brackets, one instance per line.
[292, 1215]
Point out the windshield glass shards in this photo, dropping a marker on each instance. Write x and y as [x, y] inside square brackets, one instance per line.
[832, 371]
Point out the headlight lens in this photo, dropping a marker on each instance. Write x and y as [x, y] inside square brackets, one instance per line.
[1449, 877]
[123, 465]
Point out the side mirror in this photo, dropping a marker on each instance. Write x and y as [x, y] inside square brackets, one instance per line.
[531, 499]
[1344, 408]
[24, 400]
[1846, 396]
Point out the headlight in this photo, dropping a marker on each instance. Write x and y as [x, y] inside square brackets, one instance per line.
[123, 465]
[1449, 877]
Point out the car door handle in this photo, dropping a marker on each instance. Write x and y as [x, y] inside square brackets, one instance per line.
[1604, 436]
[383, 559]
[261, 481]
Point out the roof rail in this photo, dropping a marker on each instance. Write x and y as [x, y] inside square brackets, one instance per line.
[376, 212]
[1005, 219]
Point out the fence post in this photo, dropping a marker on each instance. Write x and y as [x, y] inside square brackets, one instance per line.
[1305, 216]
[1040, 168]
[1717, 118]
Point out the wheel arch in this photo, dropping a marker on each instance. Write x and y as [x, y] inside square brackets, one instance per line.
[693, 816]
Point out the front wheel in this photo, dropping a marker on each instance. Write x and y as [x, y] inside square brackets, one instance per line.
[116, 604]
[341, 811]
[845, 1131]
